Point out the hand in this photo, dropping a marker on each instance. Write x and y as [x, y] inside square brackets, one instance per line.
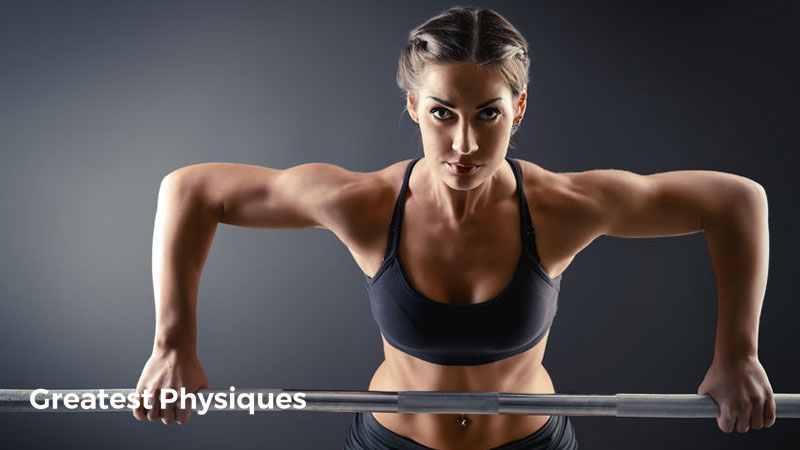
[169, 369]
[741, 388]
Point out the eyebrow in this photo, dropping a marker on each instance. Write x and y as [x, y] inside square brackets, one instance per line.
[450, 105]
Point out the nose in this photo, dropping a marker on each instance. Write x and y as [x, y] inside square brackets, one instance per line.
[465, 141]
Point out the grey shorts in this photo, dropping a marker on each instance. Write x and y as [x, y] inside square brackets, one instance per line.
[366, 433]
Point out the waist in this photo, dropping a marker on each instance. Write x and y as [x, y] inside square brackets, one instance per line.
[523, 373]
[532, 379]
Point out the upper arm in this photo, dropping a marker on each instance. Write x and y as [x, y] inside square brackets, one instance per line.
[307, 195]
[624, 204]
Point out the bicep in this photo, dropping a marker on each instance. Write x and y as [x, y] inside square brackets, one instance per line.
[625, 204]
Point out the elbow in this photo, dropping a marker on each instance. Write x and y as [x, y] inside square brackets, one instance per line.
[752, 195]
[180, 183]
[189, 186]
[758, 191]
[749, 204]
[186, 177]
[740, 199]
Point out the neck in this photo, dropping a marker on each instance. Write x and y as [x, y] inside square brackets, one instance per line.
[459, 205]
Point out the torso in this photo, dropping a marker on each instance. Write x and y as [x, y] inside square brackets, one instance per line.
[522, 373]
[441, 265]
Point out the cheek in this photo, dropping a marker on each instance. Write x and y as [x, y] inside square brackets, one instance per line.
[496, 133]
[432, 133]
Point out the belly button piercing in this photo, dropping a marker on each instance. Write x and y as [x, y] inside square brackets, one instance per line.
[462, 420]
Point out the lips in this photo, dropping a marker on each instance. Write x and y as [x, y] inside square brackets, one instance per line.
[463, 169]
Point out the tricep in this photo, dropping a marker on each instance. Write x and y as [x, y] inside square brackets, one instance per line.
[261, 197]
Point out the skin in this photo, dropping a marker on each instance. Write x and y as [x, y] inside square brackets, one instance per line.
[460, 243]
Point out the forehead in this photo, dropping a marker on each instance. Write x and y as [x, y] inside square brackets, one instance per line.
[463, 82]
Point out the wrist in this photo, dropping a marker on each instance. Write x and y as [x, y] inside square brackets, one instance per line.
[735, 344]
[180, 341]
[722, 353]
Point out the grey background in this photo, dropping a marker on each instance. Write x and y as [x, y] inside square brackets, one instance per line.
[99, 100]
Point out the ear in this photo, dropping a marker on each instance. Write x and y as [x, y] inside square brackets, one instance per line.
[411, 107]
[520, 105]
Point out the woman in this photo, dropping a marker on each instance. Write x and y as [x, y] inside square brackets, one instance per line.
[465, 282]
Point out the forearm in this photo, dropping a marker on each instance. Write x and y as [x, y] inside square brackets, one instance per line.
[738, 242]
[185, 223]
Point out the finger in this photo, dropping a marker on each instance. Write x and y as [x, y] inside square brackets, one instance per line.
[743, 416]
[727, 418]
[183, 415]
[757, 416]
[155, 408]
[139, 411]
[168, 414]
[770, 411]
[184, 411]
[742, 425]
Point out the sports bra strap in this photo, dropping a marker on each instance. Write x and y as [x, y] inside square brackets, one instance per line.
[526, 225]
[397, 215]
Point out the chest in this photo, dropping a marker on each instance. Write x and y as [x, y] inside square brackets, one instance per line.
[463, 263]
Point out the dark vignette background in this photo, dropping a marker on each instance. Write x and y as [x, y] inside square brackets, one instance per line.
[99, 100]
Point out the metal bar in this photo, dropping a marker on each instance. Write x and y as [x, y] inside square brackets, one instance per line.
[431, 402]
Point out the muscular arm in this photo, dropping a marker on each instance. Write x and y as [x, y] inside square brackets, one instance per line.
[194, 199]
[184, 229]
[191, 202]
[732, 211]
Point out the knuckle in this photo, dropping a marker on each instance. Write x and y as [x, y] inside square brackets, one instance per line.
[743, 404]
[769, 415]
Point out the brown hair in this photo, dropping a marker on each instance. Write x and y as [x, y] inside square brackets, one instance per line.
[466, 34]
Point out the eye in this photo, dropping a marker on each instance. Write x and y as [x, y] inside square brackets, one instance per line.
[440, 113]
[490, 113]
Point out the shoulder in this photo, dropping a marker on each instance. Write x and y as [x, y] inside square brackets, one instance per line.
[566, 208]
[549, 191]
[582, 193]
[358, 206]
[626, 204]
[361, 192]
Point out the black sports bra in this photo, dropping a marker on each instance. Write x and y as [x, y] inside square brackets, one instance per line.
[513, 321]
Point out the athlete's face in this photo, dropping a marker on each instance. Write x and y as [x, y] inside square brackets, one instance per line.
[465, 113]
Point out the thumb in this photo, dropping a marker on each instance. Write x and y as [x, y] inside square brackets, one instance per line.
[703, 388]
